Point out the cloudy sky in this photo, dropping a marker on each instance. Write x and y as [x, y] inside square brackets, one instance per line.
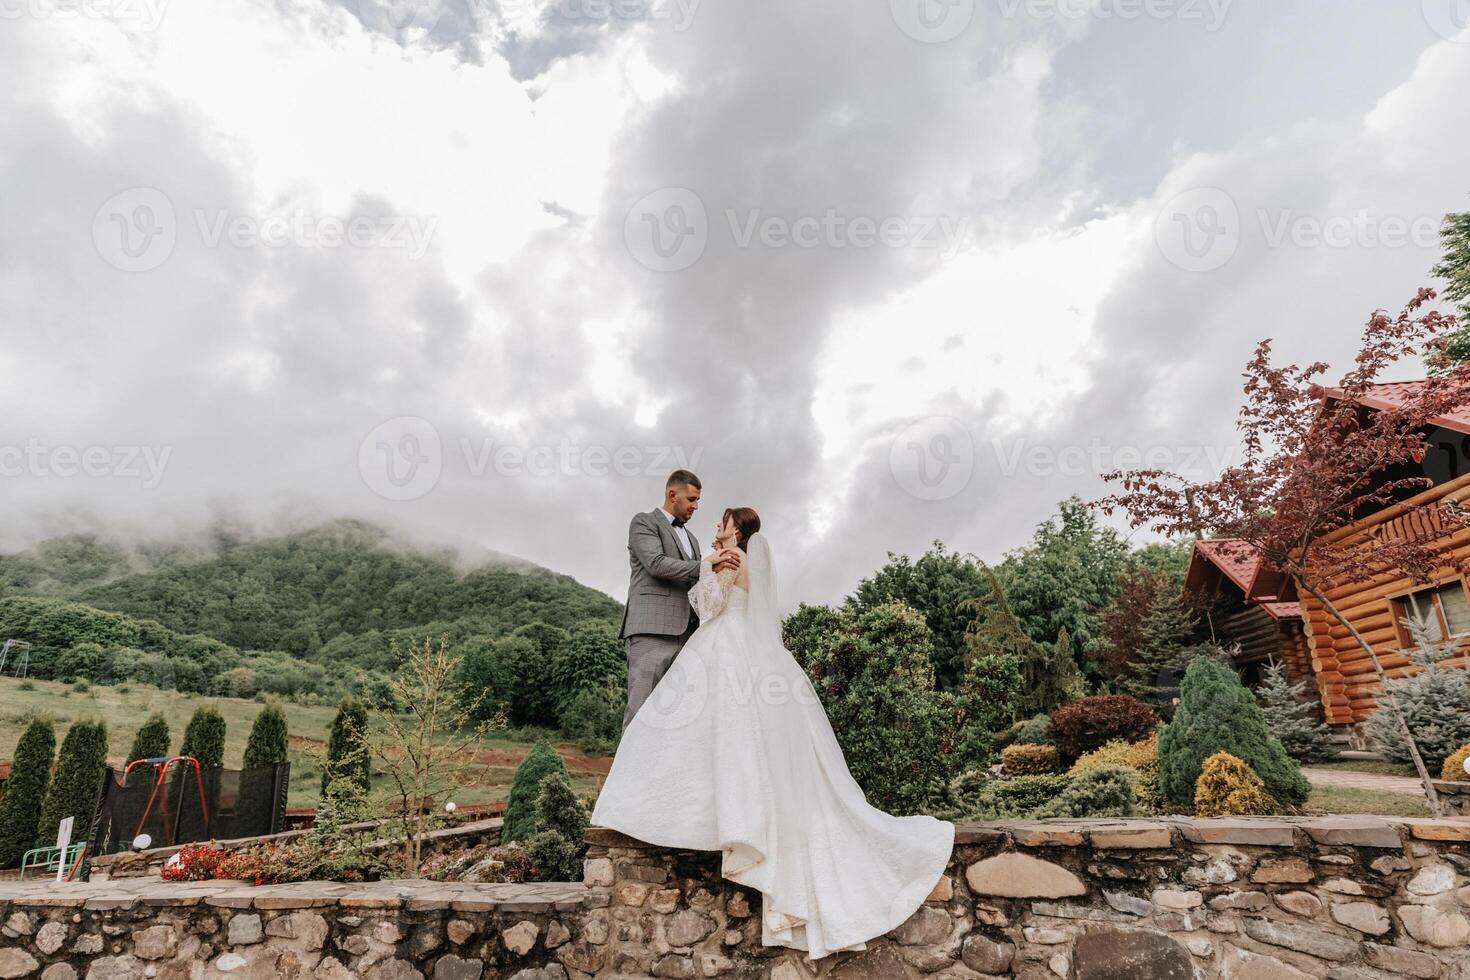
[889, 271]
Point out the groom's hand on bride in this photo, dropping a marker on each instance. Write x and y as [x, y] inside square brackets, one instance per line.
[725, 558]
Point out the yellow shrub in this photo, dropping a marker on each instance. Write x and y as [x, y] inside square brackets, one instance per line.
[1115, 753]
[1228, 787]
[1029, 760]
[1143, 757]
[1454, 766]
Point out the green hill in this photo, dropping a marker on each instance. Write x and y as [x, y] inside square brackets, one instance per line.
[319, 611]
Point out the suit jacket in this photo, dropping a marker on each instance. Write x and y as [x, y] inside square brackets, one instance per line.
[659, 579]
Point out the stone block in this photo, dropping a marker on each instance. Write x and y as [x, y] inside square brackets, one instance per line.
[928, 926]
[1240, 964]
[1284, 871]
[1353, 832]
[1304, 904]
[16, 962]
[1434, 926]
[1139, 955]
[1302, 939]
[1016, 875]
[1433, 879]
[1234, 830]
[1135, 835]
[880, 963]
[984, 955]
[1366, 917]
[1396, 959]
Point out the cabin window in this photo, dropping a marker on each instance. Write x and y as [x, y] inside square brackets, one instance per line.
[1446, 605]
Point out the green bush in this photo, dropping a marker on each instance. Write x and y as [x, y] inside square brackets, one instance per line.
[1228, 788]
[1115, 753]
[204, 738]
[78, 781]
[1033, 731]
[1011, 798]
[152, 740]
[347, 755]
[520, 812]
[1217, 714]
[1029, 760]
[557, 847]
[1293, 718]
[1091, 723]
[268, 739]
[965, 790]
[592, 658]
[1106, 791]
[20, 807]
[985, 702]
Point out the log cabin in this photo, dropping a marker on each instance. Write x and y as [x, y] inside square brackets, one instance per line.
[1322, 650]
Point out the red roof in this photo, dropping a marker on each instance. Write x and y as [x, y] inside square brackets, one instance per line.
[1394, 393]
[1241, 564]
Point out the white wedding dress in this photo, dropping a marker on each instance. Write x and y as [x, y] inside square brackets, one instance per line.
[732, 752]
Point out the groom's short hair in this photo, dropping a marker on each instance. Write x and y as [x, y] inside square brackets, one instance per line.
[683, 478]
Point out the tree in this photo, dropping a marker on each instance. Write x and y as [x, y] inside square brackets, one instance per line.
[1315, 461]
[20, 807]
[204, 738]
[995, 633]
[1065, 674]
[1145, 637]
[1291, 714]
[506, 676]
[1454, 268]
[1433, 700]
[347, 754]
[986, 702]
[937, 587]
[1218, 714]
[592, 657]
[152, 740]
[268, 739]
[77, 783]
[424, 751]
[520, 812]
[1065, 578]
[875, 677]
[558, 845]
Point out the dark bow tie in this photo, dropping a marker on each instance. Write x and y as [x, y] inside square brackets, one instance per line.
[678, 522]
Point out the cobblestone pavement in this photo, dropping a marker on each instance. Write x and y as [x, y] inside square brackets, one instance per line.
[1347, 779]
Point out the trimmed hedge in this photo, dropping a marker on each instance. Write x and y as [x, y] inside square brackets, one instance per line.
[1091, 723]
[152, 740]
[1029, 760]
[20, 807]
[520, 812]
[78, 781]
[268, 739]
[1228, 788]
[204, 738]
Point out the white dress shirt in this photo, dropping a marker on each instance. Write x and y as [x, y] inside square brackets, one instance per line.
[681, 535]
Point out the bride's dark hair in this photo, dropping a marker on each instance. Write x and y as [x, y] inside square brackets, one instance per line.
[747, 522]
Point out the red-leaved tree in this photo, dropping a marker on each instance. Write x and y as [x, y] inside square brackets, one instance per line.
[1315, 460]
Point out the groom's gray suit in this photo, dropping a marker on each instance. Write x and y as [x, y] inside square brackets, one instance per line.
[657, 619]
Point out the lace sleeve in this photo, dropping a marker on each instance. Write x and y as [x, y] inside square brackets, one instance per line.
[711, 592]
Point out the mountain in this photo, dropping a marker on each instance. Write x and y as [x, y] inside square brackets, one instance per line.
[327, 605]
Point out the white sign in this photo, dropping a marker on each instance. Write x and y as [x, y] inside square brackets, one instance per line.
[63, 841]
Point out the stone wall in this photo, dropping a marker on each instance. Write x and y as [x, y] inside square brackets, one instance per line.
[1248, 899]
[1454, 797]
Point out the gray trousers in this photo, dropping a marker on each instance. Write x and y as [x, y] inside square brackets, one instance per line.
[649, 659]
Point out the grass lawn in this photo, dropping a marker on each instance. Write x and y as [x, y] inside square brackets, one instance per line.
[1337, 799]
[126, 707]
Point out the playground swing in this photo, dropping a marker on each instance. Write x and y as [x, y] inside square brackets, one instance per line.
[161, 766]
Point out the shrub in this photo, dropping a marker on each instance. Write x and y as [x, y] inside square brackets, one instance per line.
[986, 699]
[1104, 791]
[1029, 760]
[204, 738]
[73, 791]
[1433, 702]
[557, 847]
[1292, 718]
[965, 789]
[1020, 797]
[1090, 723]
[1143, 758]
[268, 739]
[1217, 714]
[1034, 730]
[1227, 787]
[20, 807]
[1453, 769]
[194, 862]
[520, 812]
[152, 740]
[347, 754]
[1115, 753]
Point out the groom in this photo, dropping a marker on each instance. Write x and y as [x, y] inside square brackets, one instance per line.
[663, 560]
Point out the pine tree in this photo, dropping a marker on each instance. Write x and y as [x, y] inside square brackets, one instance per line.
[152, 740]
[73, 792]
[1217, 714]
[1292, 718]
[204, 738]
[995, 632]
[1432, 700]
[347, 754]
[20, 807]
[520, 812]
[557, 847]
[1163, 649]
[1070, 684]
[268, 739]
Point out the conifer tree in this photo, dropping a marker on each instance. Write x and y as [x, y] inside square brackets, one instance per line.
[268, 739]
[20, 807]
[1292, 718]
[73, 792]
[152, 740]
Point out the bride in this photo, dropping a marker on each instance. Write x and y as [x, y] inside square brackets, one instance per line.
[732, 752]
